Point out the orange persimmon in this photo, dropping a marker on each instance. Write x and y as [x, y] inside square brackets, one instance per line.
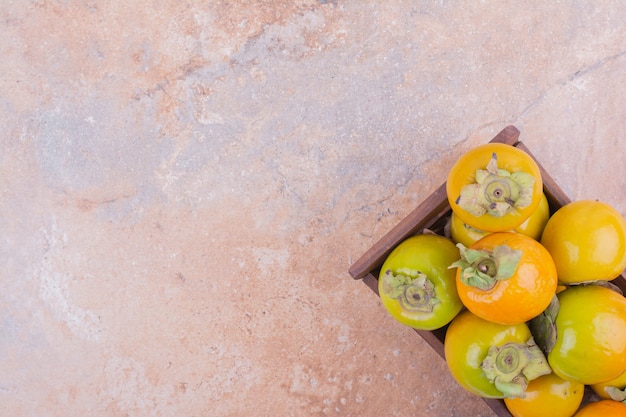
[506, 278]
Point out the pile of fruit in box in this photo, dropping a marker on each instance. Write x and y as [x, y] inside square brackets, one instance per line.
[526, 294]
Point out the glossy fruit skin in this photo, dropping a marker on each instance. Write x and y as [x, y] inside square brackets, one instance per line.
[618, 382]
[521, 297]
[549, 394]
[432, 255]
[587, 240]
[510, 158]
[591, 335]
[532, 226]
[466, 344]
[603, 408]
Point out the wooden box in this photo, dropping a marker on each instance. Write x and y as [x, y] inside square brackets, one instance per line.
[432, 214]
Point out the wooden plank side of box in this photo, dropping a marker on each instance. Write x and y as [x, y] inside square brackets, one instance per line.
[428, 212]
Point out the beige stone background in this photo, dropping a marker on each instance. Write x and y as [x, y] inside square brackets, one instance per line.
[184, 185]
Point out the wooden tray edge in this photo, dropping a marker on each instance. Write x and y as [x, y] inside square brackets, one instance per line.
[417, 219]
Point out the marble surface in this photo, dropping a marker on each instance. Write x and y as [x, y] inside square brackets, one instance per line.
[184, 185]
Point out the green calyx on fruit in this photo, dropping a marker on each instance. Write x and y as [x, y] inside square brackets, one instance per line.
[496, 191]
[483, 269]
[511, 366]
[544, 326]
[414, 294]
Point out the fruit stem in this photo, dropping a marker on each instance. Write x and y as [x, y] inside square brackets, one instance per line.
[511, 366]
[482, 269]
[415, 294]
[496, 191]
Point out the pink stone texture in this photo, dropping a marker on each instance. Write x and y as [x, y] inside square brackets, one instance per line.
[184, 185]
